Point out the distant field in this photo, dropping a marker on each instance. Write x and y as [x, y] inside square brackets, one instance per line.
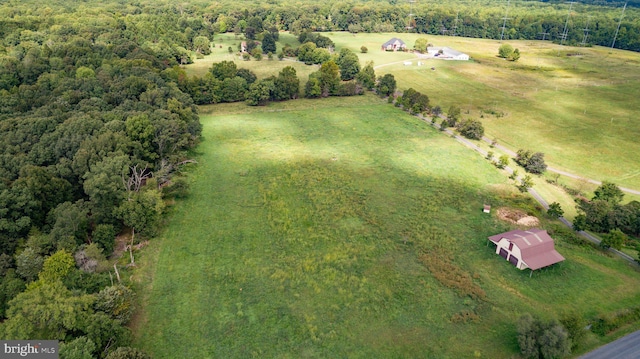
[577, 105]
[263, 68]
[580, 110]
[314, 229]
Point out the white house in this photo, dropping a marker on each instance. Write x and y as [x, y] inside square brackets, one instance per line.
[447, 53]
[532, 249]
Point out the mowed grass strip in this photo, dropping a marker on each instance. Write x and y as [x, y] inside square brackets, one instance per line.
[304, 236]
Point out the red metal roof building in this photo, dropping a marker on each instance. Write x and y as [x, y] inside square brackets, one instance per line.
[533, 248]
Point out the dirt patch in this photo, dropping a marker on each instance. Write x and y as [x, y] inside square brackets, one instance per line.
[517, 216]
[122, 242]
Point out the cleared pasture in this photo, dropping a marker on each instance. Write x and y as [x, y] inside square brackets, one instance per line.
[333, 228]
[577, 105]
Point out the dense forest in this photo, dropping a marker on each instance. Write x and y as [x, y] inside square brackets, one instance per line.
[97, 118]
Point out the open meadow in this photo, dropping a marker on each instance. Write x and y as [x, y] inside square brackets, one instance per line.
[344, 227]
[577, 105]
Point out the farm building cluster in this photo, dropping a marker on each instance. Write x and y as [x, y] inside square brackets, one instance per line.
[444, 53]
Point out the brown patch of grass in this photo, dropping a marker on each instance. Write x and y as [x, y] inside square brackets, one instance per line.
[465, 316]
[517, 216]
[452, 276]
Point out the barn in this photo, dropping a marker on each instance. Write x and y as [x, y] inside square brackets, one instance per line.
[527, 249]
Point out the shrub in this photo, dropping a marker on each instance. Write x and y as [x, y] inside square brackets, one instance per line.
[538, 339]
[505, 51]
[532, 163]
[363, 49]
[471, 129]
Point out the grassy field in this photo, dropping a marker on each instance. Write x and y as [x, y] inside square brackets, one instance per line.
[263, 68]
[577, 105]
[346, 228]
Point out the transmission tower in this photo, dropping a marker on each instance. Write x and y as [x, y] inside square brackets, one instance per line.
[443, 29]
[565, 32]
[410, 20]
[544, 35]
[586, 33]
[455, 24]
[619, 23]
[505, 18]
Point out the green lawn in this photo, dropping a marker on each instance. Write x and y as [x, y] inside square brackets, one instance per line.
[580, 110]
[312, 229]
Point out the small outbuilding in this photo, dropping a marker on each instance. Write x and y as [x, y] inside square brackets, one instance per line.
[447, 53]
[486, 209]
[394, 44]
[532, 249]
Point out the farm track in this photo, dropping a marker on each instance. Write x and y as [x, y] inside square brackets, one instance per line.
[559, 171]
[590, 237]
[512, 153]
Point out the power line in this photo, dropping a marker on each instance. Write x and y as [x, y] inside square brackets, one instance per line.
[619, 23]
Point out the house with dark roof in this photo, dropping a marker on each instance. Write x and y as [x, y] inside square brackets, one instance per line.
[529, 249]
[394, 44]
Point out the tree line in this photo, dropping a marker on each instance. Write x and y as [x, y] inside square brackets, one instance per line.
[92, 135]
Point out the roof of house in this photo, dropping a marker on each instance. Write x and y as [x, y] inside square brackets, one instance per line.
[445, 51]
[393, 41]
[451, 52]
[536, 246]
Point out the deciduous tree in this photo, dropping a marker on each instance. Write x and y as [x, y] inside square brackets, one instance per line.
[609, 192]
[614, 239]
[421, 45]
[543, 340]
[268, 43]
[386, 85]
[260, 92]
[555, 210]
[367, 76]
[471, 129]
[349, 64]
[57, 266]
